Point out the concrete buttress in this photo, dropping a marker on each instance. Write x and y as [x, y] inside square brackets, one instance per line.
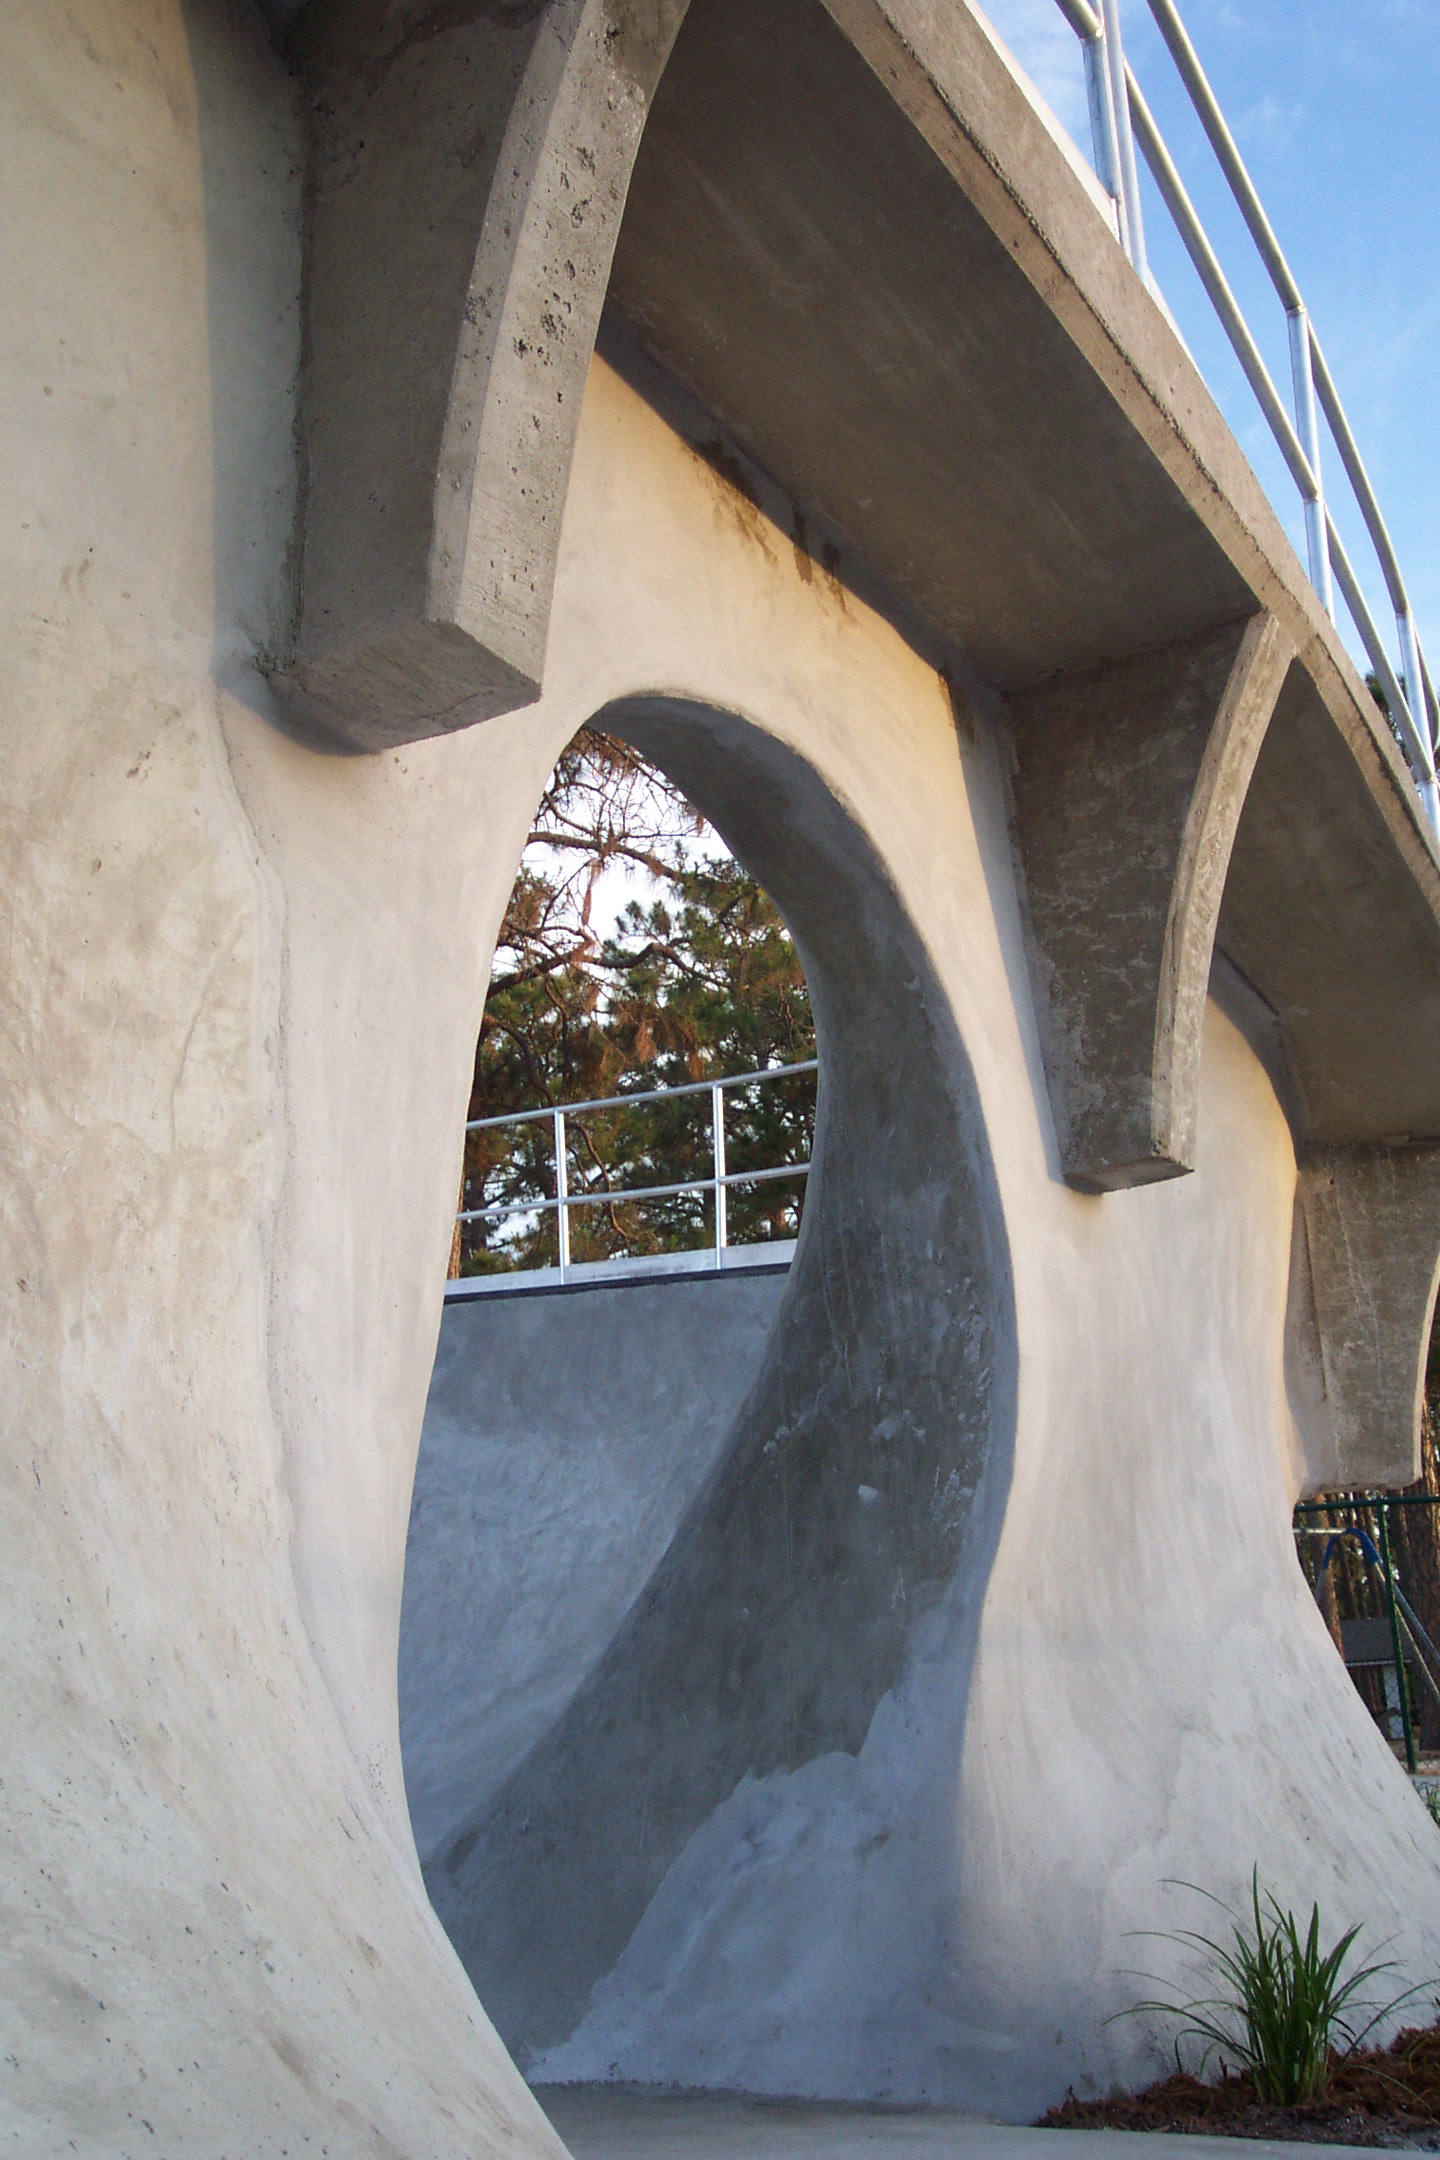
[1129, 783]
[1367, 1258]
[468, 171]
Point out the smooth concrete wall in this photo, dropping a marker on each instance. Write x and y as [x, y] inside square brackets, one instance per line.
[242, 985]
[566, 1432]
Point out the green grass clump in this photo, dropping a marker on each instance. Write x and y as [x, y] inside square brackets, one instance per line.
[1283, 2007]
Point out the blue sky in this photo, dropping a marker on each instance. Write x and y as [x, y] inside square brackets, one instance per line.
[1336, 107]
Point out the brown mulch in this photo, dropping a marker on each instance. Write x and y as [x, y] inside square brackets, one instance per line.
[1378, 2096]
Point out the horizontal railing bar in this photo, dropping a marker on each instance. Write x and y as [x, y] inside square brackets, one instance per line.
[1082, 19]
[623, 1194]
[1223, 143]
[1415, 709]
[1212, 277]
[1409, 711]
[1217, 286]
[615, 1102]
[1374, 645]
[1359, 479]
[1323, 1507]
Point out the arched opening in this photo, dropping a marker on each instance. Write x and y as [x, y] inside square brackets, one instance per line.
[824, 1461]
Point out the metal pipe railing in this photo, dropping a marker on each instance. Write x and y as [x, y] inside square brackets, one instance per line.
[1116, 104]
[563, 1199]
[1124, 139]
[668, 1094]
[1223, 143]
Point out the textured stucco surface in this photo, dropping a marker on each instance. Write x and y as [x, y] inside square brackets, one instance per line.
[215, 1936]
[242, 981]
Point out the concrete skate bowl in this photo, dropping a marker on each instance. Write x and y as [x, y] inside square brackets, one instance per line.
[853, 1493]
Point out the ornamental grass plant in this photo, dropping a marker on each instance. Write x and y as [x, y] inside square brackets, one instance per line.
[1283, 2010]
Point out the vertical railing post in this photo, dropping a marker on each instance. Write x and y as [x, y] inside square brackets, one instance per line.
[1406, 1725]
[562, 1195]
[1307, 424]
[1102, 129]
[717, 1141]
[1125, 139]
[1414, 688]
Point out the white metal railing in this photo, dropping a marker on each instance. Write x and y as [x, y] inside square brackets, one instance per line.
[1119, 117]
[563, 1200]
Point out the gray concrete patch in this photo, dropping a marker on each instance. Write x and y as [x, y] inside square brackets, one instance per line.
[565, 1435]
[600, 2123]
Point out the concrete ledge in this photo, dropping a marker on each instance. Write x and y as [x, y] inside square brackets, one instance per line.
[623, 2123]
[625, 1274]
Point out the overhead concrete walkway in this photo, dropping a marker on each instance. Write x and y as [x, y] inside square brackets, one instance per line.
[600, 2124]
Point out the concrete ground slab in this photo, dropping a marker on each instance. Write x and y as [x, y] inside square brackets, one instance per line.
[610, 2123]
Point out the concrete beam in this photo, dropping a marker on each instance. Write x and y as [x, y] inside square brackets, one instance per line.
[1128, 785]
[468, 170]
[1363, 1281]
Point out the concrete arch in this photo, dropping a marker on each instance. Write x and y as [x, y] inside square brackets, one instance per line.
[867, 1463]
[468, 171]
